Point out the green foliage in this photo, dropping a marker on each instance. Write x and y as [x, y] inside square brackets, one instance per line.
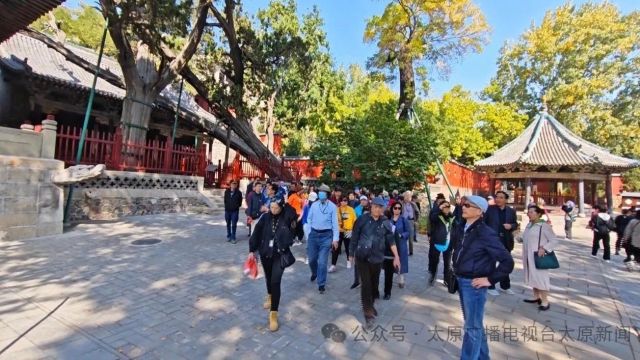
[368, 145]
[157, 23]
[426, 34]
[468, 130]
[631, 180]
[287, 57]
[584, 61]
[82, 26]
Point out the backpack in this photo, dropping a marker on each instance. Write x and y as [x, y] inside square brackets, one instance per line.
[604, 227]
[367, 246]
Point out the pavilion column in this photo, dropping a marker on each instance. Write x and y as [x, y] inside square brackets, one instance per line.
[528, 193]
[609, 193]
[581, 198]
[492, 190]
[594, 194]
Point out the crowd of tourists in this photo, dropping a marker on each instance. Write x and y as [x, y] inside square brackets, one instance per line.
[474, 236]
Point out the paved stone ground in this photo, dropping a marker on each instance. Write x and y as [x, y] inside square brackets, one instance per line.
[186, 298]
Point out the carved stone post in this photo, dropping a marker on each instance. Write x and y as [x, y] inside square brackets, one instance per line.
[49, 127]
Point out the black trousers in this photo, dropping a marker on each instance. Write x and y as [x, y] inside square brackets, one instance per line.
[605, 244]
[356, 274]
[273, 276]
[336, 252]
[619, 242]
[434, 260]
[389, 270]
[369, 281]
[299, 233]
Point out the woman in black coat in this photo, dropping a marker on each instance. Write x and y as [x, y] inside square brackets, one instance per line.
[272, 237]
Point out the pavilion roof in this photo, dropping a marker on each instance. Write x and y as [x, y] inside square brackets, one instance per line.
[18, 14]
[548, 144]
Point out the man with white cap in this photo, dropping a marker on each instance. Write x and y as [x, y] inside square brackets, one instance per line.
[362, 208]
[325, 231]
[478, 249]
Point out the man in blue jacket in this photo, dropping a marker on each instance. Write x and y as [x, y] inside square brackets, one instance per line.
[477, 249]
[232, 203]
[503, 220]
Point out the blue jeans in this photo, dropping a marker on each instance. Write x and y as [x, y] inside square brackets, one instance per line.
[474, 343]
[231, 217]
[318, 248]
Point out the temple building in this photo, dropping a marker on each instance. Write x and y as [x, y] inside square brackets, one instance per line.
[549, 162]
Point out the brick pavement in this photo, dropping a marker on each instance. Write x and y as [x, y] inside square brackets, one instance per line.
[186, 298]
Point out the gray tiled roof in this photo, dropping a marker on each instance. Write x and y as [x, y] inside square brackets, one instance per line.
[50, 64]
[18, 14]
[546, 142]
[47, 63]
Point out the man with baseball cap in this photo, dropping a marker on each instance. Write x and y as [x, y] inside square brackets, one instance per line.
[372, 235]
[325, 231]
[478, 249]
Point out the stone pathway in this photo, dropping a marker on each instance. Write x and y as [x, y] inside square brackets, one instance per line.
[186, 298]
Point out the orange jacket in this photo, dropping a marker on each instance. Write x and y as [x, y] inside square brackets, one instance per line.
[296, 202]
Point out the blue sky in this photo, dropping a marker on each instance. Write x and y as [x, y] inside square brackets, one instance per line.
[345, 22]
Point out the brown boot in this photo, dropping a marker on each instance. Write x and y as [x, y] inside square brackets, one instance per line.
[267, 302]
[273, 321]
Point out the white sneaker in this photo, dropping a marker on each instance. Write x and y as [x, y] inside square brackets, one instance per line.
[332, 268]
[348, 264]
[306, 261]
[509, 291]
[607, 261]
[493, 292]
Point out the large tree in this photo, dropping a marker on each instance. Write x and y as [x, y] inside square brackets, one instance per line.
[233, 64]
[365, 144]
[145, 33]
[468, 130]
[292, 68]
[420, 37]
[584, 62]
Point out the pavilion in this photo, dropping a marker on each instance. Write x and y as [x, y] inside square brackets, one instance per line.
[548, 153]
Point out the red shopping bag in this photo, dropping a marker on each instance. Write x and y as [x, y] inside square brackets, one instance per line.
[251, 267]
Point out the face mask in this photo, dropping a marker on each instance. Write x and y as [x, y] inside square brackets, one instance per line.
[322, 195]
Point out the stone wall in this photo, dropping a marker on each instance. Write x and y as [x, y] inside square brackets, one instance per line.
[30, 204]
[118, 193]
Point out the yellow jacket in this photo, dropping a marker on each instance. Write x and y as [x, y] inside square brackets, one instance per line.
[346, 218]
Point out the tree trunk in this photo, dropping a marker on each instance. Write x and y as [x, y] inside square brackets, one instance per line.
[228, 145]
[407, 89]
[137, 105]
[270, 120]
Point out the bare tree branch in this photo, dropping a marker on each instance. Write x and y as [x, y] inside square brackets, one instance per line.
[126, 57]
[69, 55]
[175, 67]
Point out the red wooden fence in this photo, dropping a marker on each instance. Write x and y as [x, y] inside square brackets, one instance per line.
[243, 167]
[154, 156]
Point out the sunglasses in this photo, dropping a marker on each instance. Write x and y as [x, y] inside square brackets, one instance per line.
[467, 205]
[446, 207]
[397, 208]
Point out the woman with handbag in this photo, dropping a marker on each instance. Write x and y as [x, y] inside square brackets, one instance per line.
[273, 237]
[539, 241]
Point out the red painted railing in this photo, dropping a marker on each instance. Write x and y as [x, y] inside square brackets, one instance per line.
[243, 167]
[154, 156]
